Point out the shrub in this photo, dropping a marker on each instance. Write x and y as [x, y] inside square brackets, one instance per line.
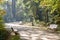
[58, 23]
[14, 37]
[3, 34]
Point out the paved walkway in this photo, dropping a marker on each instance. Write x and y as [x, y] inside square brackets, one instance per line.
[28, 33]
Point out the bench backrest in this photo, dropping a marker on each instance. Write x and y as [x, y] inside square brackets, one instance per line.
[52, 26]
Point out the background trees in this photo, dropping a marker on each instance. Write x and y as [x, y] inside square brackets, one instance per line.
[42, 10]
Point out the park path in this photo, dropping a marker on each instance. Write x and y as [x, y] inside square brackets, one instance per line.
[30, 33]
[33, 33]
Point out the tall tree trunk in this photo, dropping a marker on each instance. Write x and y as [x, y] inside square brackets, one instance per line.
[14, 9]
[8, 12]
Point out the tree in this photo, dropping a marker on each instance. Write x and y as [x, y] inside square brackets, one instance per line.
[14, 9]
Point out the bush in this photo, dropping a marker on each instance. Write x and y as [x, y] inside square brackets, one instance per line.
[58, 23]
[58, 28]
[3, 34]
[14, 37]
[1, 22]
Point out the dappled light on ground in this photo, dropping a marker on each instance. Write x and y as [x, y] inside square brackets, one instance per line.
[35, 33]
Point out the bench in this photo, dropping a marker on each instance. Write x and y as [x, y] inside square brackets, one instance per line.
[53, 27]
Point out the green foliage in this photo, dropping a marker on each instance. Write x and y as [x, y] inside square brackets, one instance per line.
[15, 37]
[48, 7]
[42, 10]
[2, 12]
[1, 23]
[58, 28]
[52, 3]
[4, 34]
